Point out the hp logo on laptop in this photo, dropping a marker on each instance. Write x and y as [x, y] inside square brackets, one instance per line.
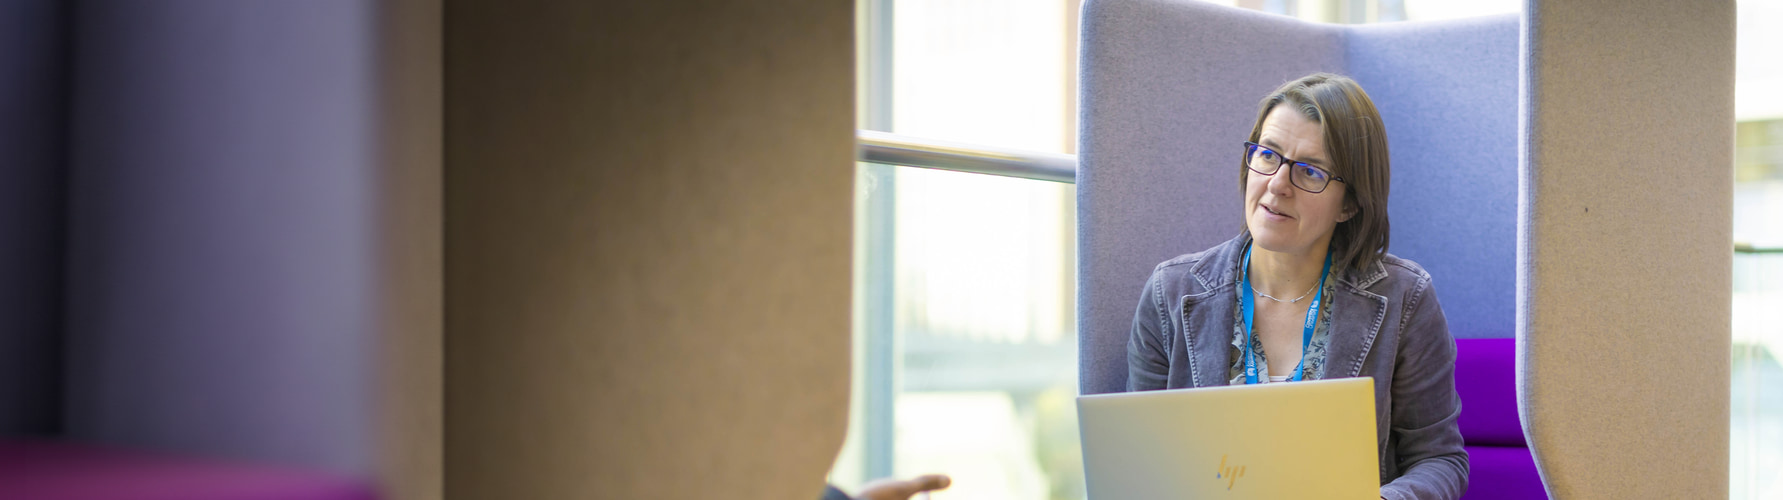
[1229, 473]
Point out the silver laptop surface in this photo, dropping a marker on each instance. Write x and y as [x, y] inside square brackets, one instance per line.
[1312, 439]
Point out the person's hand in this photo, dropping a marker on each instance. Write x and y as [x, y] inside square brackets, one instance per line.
[902, 489]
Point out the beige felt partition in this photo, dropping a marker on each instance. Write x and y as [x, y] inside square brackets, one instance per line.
[1625, 246]
[647, 260]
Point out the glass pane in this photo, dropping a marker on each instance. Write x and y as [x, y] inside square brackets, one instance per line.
[966, 327]
[989, 72]
[1757, 400]
[987, 368]
[984, 328]
[1757, 409]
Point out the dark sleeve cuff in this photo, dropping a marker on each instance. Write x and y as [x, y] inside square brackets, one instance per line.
[831, 493]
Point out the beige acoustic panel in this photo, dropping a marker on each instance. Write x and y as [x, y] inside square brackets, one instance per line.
[1625, 246]
[647, 213]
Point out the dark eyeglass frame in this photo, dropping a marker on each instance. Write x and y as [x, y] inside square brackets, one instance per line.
[1250, 150]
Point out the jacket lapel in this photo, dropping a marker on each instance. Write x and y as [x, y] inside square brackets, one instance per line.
[1207, 315]
[1355, 322]
[1207, 331]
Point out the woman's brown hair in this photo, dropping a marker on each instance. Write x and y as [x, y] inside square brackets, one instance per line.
[1357, 143]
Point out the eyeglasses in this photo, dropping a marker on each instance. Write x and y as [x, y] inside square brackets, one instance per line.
[1305, 176]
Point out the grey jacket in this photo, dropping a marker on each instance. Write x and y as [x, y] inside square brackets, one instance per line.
[1386, 323]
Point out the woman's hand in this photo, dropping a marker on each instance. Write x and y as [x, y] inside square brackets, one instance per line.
[902, 489]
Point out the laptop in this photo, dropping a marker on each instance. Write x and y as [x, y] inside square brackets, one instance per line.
[1312, 439]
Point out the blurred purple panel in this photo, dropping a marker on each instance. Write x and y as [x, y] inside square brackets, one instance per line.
[1486, 380]
[42, 471]
[33, 101]
[219, 295]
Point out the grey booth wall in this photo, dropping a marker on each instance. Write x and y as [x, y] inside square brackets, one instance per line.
[254, 243]
[648, 211]
[33, 98]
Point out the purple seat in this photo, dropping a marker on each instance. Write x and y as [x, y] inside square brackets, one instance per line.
[60, 471]
[1500, 466]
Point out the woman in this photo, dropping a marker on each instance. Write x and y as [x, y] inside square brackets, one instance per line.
[1314, 251]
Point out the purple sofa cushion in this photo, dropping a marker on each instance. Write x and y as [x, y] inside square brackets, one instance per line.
[57, 471]
[1502, 473]
[1486, 380]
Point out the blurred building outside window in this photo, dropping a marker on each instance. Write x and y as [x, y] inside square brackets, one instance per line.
[1756, 465]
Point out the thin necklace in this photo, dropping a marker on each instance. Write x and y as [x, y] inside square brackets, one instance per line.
[1315, 286]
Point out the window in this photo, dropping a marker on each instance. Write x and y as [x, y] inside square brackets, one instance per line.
[1757, 402]
[965, 326]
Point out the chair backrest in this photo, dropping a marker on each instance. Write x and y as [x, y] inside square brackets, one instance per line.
[1169, 91]
[223, 292]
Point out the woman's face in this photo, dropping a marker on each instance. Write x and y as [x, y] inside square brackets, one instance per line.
[1284, 218]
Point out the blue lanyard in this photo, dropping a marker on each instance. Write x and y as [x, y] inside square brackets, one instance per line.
[1250, 314]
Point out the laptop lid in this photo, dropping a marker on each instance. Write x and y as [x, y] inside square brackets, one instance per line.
[1312, 439]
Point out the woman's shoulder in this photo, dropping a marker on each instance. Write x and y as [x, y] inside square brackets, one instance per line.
[1404, 281]
[1391, 276]
[1403, 269]
[1185, 262]
[1202, 270]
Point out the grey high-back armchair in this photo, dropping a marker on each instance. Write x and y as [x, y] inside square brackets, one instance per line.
[1166, 112]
